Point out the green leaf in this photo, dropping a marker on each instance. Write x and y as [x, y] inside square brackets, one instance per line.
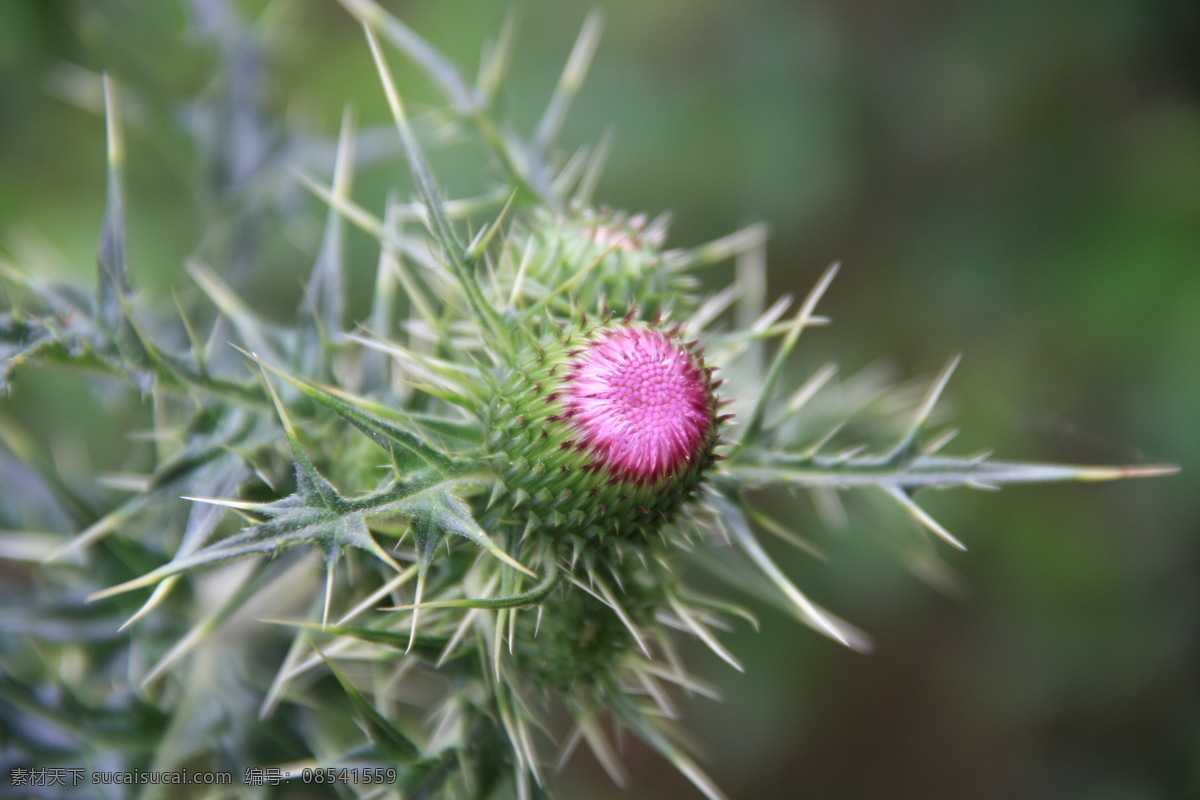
[530, 598]
[439, 221]
[924, 471]
[323, 307]
[22, 338]
[424, 779]
[803, 319]
[441, 511]
[112, 291]
[293, 522]
[649, 732]
[809, 612]
[125, 722]
[311, 484]
[390, 741]
[427, 646]
[208, 456]
[436, 65]
[569, 82]
[249, 588]
[385, 434]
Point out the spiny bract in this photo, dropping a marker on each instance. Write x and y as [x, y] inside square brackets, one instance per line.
[603, 429]
[502, 546]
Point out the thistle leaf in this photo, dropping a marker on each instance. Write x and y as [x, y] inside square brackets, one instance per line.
[391, 744]
[112, 291]
[437, 66]
[323, 308]
[569, 82]
[444, 513]
[530, 598]
[809, 612]
[291, 522]
[22, 338]
[439, 222]
[649, 732]
[925, 471]
[427, 646]
[209, 457]
[803, 319]
[387, 435]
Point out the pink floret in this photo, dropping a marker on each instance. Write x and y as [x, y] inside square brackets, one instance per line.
[640, 403]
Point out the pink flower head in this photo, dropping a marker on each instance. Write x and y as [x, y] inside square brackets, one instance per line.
[640, 402]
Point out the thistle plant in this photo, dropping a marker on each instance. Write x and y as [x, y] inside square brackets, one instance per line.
[429, 552]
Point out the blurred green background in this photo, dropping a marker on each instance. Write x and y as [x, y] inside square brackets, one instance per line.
[1018, 181]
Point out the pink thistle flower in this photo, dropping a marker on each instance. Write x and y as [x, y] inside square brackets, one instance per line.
[640, 402]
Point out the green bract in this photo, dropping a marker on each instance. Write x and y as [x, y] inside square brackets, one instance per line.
[564, 451]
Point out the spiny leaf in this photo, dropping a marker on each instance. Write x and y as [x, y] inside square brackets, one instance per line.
[718, 250]
[439, 222]
[312, 485]
[802, 320]
[441, 69]
[22, 338]
[720, 606]
[428, 646]
[112, 292]
[250, 586]
[292, 523]
[258, 335]
[493, 66]
[592, 171]
[810, 613]
[775, 528]
[569, 82]
[467, 431]
[927, 471]
[923, 517]
[441, 511]
[904, 447]
[647, 730]
[702, 633]
[322, 309]
[427, 535]
[203, 518]
[532, 597]
[208, 456]
[390, 741]
[385, 434]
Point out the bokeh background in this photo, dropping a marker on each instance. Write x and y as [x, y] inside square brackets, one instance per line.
[1016, 181]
